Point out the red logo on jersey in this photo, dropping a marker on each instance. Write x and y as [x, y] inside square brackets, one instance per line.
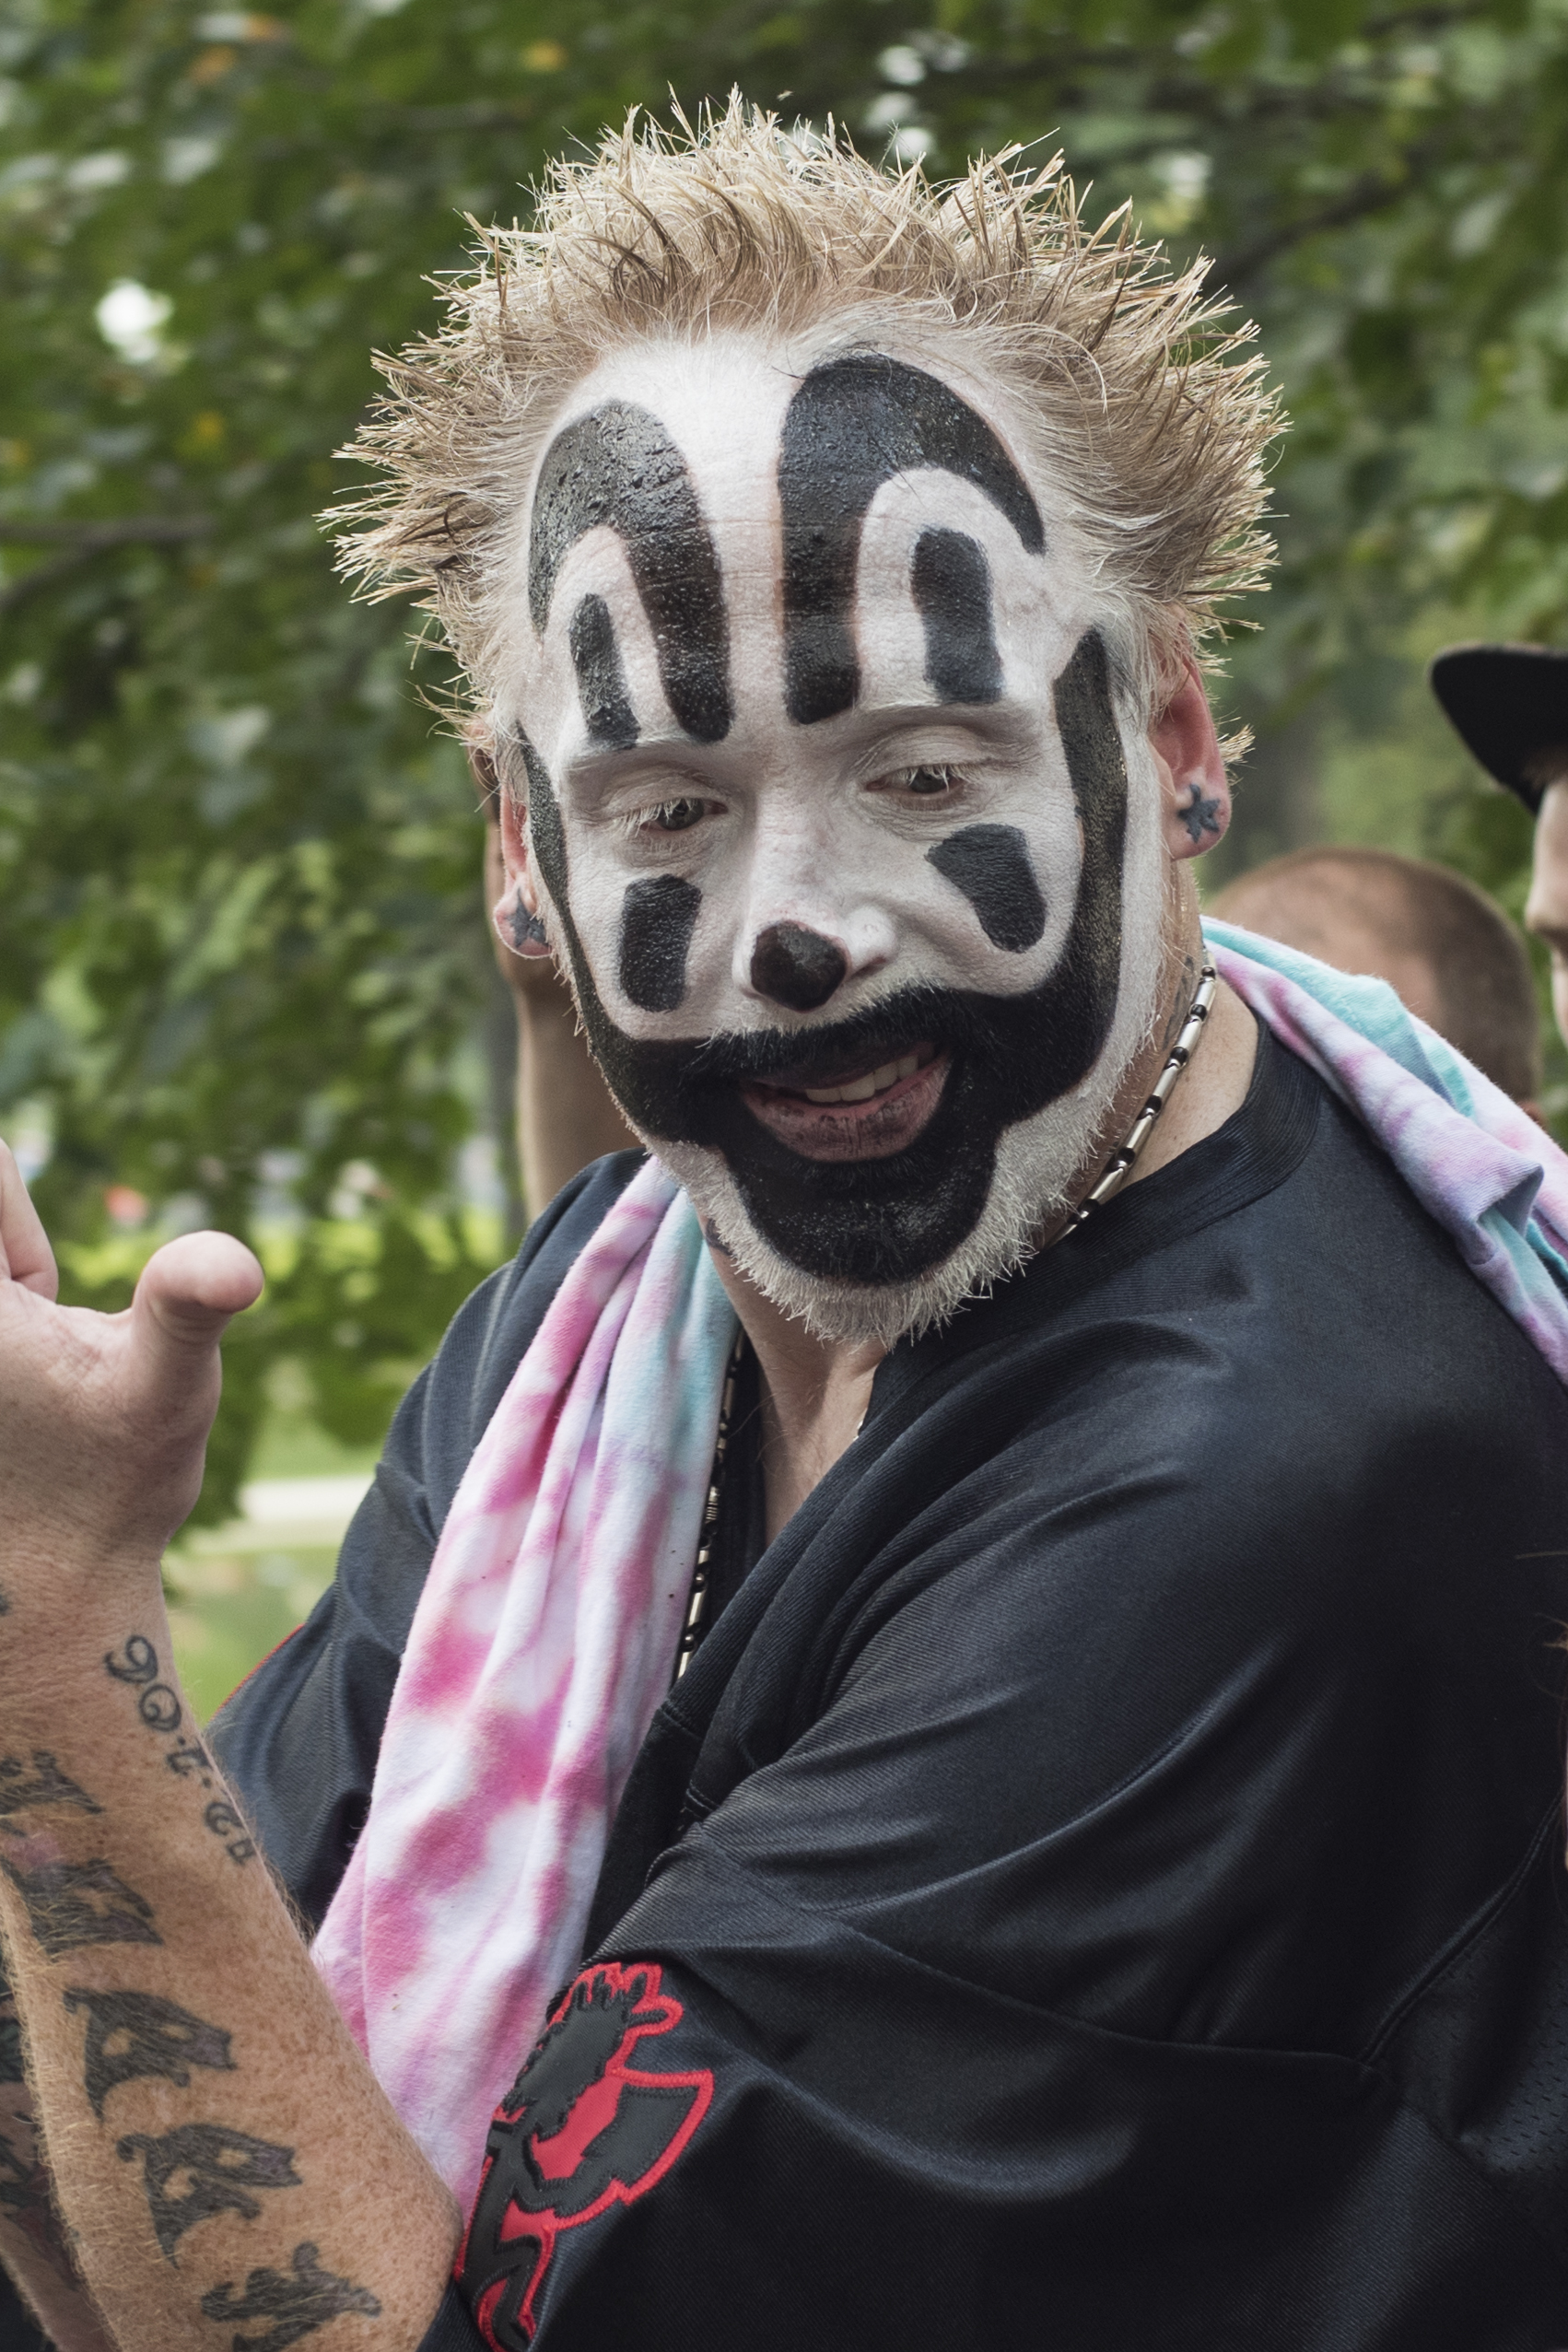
[580, 2130]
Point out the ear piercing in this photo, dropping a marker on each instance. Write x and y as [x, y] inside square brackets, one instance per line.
[527, 930]
[1201, 815]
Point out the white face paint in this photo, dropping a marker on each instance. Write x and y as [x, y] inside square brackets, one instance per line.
[859, 873]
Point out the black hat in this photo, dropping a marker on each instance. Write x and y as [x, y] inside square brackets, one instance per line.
[1509, 706]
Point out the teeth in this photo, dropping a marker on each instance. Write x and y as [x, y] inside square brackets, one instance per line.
[861, 1090]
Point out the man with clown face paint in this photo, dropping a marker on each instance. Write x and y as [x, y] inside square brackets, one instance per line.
[864, 902]
[945, 1718]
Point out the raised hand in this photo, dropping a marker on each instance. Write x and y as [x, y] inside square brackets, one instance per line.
[104, 1418]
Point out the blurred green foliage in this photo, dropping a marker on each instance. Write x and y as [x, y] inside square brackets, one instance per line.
[243, 968]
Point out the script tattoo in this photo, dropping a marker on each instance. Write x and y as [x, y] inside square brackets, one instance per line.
[48, 1785]
[133, 2034]
[296, 2304]
[202, 2168]
[71, 1905]
[158, 1705]
[26, 2201]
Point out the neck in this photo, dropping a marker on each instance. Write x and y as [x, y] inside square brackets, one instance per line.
[815, 1392]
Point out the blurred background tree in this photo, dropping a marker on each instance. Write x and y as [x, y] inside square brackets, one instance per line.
[243, 975]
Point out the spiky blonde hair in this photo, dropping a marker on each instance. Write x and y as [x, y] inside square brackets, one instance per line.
[1143, 403]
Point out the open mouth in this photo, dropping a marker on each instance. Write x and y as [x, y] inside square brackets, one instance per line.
[851, 1111]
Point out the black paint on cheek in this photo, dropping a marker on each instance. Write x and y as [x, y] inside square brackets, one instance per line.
[658, 918]
[989, 863]
[952, 585]
[601, 680]
[619, 466]
[851, 426]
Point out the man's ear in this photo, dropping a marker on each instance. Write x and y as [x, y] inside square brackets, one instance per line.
[1195, 796]
[516, 911]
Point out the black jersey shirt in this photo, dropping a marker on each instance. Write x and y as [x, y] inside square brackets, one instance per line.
[1099, 1886]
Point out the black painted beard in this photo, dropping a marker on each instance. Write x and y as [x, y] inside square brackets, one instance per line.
[870, 1222]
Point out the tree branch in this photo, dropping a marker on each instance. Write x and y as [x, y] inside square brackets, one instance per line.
[88, 537]
[1372, 192]
[81, 541]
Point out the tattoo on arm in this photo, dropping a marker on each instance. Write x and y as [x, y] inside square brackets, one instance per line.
[133, 2034]
[72, 1904]
[202, 2168]
[27, 2203]
[161, 1710]
[297, 2303]
[48, 1785]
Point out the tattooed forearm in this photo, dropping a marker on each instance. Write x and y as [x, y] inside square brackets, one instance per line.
[297, 2303]
[133, 2034]
[73, 1904]
[47, 1785]
[160, 1708]
[202, 2169]
[25, 2202]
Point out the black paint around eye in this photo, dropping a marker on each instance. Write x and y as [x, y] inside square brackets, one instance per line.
[658, 918]
[851, 426]
[796, 967]
[619, 466]
[601, 680]
[952, 584]
[989, 863]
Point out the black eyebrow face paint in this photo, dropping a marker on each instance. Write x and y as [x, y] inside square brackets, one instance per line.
[658, 917]
[851, 426]
[601, 680]
[990, 864]
[619, 466]
[951, 582]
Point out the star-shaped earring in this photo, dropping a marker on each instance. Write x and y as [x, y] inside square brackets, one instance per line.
[1201, 815]
[527, 930]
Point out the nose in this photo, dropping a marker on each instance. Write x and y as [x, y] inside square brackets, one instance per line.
[797, 967]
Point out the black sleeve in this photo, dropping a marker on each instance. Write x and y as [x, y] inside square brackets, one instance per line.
[300, 1737]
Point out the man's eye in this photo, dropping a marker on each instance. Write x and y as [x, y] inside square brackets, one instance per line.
[678, 817]
[925, 781]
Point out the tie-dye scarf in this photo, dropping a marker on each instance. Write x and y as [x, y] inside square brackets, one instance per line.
[547, 1630]
[543, 1640]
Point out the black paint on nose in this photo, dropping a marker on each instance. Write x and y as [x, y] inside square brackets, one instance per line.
[796, 967]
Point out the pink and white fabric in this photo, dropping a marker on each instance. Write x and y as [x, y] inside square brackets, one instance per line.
[547, 1633]
[543, 1643]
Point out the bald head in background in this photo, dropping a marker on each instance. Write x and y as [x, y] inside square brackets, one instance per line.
[1446, 949]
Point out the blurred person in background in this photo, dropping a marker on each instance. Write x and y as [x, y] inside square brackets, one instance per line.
[1446, 949]
[1508, 703]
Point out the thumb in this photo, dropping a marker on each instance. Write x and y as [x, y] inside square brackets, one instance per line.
[187, 1293]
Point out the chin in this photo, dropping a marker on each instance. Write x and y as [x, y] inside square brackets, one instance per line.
[1037, 1172]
